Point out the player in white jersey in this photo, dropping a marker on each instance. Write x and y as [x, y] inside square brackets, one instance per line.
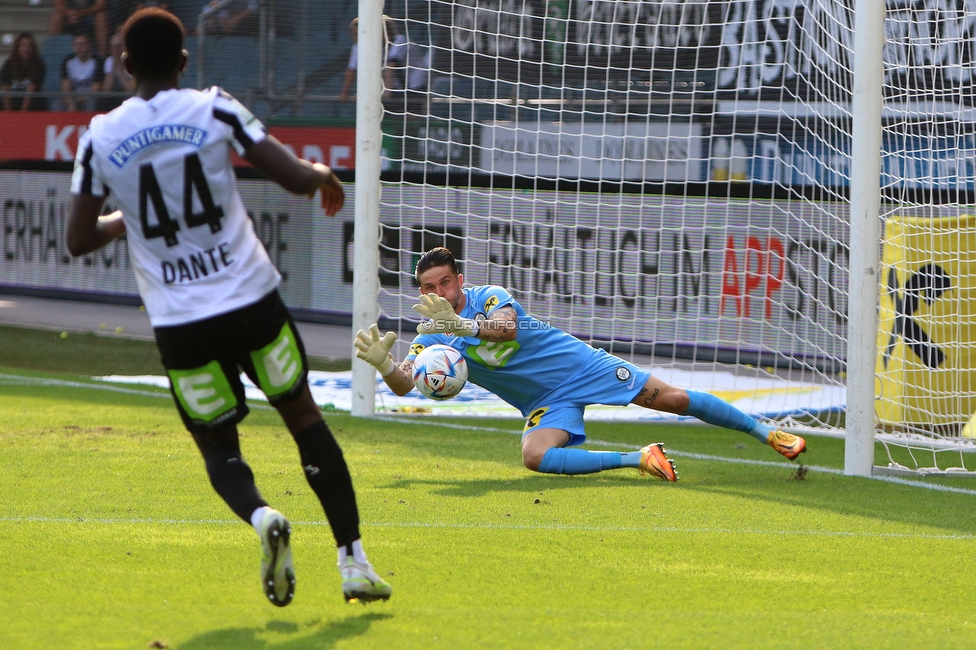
[208, 284]
[549, 375]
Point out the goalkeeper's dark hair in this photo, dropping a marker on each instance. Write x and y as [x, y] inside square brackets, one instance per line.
[153, 40]
[435, 257]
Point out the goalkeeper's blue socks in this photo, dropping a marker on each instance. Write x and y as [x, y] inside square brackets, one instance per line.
[559, 460]
[713, 410]
[705, 407]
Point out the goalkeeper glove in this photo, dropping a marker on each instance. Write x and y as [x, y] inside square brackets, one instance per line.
[375, 350]
[442, 319]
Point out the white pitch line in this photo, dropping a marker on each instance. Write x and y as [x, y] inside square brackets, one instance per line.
[19, 380]
[721, 459]
[490, 526]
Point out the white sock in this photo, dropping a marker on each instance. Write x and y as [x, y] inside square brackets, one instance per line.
[258, 516]
[357, 552]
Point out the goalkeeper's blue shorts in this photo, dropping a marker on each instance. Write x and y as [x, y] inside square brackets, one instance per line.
[605, 379]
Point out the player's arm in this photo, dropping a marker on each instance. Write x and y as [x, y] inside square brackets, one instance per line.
[440, 318]
[347, 84]
[399, 380]
[500, 326]
[66, 88]
[87, 229]
[31, 88]
[96, 7]
[297, 176]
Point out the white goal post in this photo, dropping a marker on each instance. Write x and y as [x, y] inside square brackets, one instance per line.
[865, 234]
[369, 113]
[763, 199]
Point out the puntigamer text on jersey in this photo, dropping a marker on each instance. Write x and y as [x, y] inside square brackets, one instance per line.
[163, 134]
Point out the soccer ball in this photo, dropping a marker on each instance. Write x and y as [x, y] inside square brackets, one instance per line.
[440, 372]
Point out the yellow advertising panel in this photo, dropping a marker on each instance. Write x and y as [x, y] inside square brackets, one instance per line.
[927, 324]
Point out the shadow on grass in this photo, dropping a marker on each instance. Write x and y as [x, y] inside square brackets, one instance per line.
[247, 638]
[776, 486]
[528, 484]
[856, 497]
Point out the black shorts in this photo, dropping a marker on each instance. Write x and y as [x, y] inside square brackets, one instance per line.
[203, 360]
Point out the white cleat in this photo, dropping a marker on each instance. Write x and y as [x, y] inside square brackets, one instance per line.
[277, 570]
[361, 583]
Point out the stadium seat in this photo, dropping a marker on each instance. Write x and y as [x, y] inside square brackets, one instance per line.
[231, 62]
[187, 11]
[53, 50]
[492, 89]
[57, 43]
[322, 46]
[453, 86]
[189, 78]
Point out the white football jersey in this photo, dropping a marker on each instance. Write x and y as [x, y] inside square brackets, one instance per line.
[166, 162]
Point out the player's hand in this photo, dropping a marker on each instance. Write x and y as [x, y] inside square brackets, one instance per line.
[332, 195]
[375, 350]
[441, 317]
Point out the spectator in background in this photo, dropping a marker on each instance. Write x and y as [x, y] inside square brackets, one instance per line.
[409, 68]
[120, 10]
[23, 71]
[86, 17]
[239, 18]
[82, 73]
[395, 52]
[117, 80]
[353, 61]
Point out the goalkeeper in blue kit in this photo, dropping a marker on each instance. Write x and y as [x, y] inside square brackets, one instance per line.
[547, 374]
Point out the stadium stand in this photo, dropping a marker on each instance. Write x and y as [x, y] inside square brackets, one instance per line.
[54, 47]
[18, 16]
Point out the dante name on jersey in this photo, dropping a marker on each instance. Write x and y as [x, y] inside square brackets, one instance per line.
[196, 266]
[167, 163]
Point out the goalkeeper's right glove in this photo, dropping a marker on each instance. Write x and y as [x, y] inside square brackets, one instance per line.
[375, 350]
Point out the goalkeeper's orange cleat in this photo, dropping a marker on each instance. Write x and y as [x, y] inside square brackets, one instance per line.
[787, 444]
[654, 462]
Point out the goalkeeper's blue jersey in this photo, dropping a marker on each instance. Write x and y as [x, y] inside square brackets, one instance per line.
[542, 359]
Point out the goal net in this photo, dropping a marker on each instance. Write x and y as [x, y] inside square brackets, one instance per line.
[925, 351]
[670, 181]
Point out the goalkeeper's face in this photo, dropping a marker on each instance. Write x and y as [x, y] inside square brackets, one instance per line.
[441, 280]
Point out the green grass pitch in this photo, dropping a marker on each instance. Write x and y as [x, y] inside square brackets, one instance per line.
[112, 537]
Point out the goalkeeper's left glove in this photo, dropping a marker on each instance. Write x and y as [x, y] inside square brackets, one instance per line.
[375, 350]
[442, 319]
